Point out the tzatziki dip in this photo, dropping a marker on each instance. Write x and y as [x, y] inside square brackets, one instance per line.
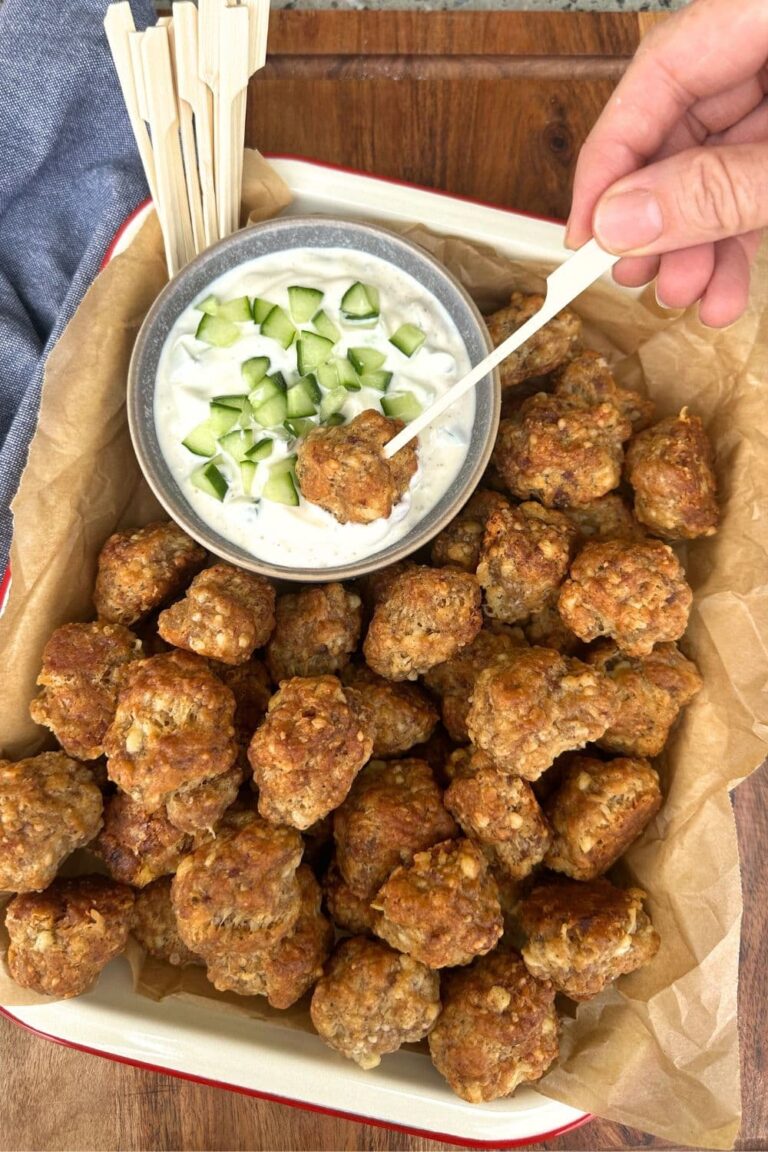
[279, 345]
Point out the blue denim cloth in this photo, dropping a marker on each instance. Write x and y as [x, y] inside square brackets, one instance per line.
[69, 176]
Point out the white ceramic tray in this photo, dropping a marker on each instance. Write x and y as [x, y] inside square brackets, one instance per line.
[264, 1059]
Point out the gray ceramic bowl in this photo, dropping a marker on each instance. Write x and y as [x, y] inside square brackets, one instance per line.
[275, 236]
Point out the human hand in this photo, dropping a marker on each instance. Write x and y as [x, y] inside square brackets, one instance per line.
[674, 173]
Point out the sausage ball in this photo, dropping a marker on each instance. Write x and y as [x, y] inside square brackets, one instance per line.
[670, 469]
[442, 908]
[314, 741]
[636, 593]
[239, 891]
[607, 518]
[155, 928]
[394, 809]
[458, 545]
[49, 806]
[173, 729]
[286, 970]
[402, 714]
[499, 812]
[225, 615]
[142, 569]
[375, 585]
[316, 632]
[582, 936]
[547, 629]
[60, 939]
[345, 471]
[348, 912]
[83, 666]
[535, 705]
[198, 810]
[497, 1030]
[371, 1000]
[597, 812]
[561, 451]
[588, 378]
[555, 342]
[651, 690]
[426, 616]
[137, 846]
[523, 560]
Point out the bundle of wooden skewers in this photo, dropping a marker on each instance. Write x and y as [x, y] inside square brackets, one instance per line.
[185, 84]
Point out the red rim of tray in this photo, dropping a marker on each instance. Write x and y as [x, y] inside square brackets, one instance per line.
[194, 1078]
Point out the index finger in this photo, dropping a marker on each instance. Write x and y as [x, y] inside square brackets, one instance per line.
[703, 50]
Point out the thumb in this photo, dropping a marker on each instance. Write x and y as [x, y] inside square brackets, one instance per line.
[695, 197]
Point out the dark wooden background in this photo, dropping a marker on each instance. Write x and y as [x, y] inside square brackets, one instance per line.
[494, 106]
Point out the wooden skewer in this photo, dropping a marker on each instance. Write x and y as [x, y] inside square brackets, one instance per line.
[208, 32]
[188, 191]
[258, 28]
[118, 25]
[233, 80]
[195, 99]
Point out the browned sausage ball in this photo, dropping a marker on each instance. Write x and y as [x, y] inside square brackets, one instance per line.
[561, 451]
[582, 936]
[225, 615]
[374, 585]
[588, 378]
[348, 912]
[652, 691]
[607, 518]
[597, 812]
[154, 925]
[83, 666]
[670, 468]
[142, 569]
[402, 714]
[424, 617]
[239, 891]
[371, 1000]
[137, 846]
[442, 908]
[458, 545]
[314, 741]
[394, 809]
[635, 592]
[198, 810]
[557, 341]
[316, 632]
[62, 938]
[497, 1030]
[345, 471]
[173, 729]
[535, 705]
[286, 970]
[49, 805]
[547, 629]
[523, 560]
[499, 812]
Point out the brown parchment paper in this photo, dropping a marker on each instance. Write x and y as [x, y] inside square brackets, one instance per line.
[660, 1051]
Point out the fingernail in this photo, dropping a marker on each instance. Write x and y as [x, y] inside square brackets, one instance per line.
[567, 241]
[628, 221]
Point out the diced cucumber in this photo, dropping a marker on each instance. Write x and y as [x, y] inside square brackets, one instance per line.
[278, 380]
[323, 324]
[334, 419]
[303, 302]
[266, 390]
[247, 475]
[217, 332]
[347, 375]
[287, 464]
[360, 302]
[408, 338]
[238, 443]
[210, 480]
[261, 309]
[209, 305]
[260, 451]
[278, 327]
[303, 398]
[328, 376]
[309, 384]
[401, 405]
[365, 360]
[312, 351]
[332, 402]
[281, 489]
[272, 411]
[301, 426]
[222, 417]
[201, 440]
[254, 370]
[378, 380]
[236, 400]
[238, 310]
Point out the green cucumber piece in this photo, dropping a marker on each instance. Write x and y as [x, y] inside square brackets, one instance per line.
[210, 305]
[278, 327]
[222, 418]
[266, 390]
[237, 444]
[312, 351]
[335, 419]
[273, 411]
[378, 380]
[303, 302]
[347, 375]
[402, 406]
[300, 426]
[238, 310]
[365, 360]
[323, 324]
[281, 489]
[217, 332]
[360, 302]
[261, 309]
[201, 440]
[287, 464]
[408, 338]
[301, 398]
[332, 403]
[328, 376]
[260, 451]
[247, 475]
[210, 480]
[254, 370]
[237, 401]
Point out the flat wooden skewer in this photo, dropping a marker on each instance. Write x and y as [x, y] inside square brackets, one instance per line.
[118, 25]
[208, 33]
[189, 189]
[233, 80]
[195, 99]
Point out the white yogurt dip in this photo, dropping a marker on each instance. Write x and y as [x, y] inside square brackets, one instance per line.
[191, 374]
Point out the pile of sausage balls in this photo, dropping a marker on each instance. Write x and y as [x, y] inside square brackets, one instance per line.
[402, 796]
